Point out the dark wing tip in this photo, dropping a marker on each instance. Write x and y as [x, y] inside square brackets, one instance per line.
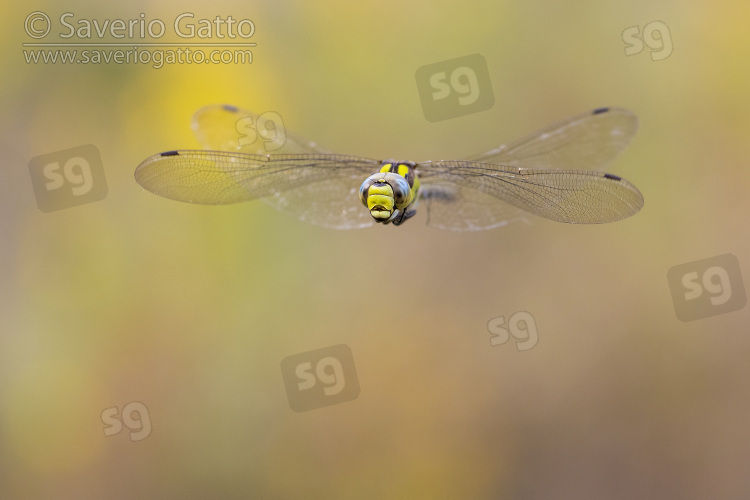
[170, 153]
[613, 177]
[599, 111]
[230, 108]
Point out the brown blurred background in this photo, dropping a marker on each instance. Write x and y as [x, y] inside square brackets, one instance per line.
[190, 310]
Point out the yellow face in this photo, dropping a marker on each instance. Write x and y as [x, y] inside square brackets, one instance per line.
[380, 200]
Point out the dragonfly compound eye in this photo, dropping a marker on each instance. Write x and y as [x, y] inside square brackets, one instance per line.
[401, 190]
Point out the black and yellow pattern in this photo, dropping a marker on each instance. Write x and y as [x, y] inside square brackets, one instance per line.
[552, 173]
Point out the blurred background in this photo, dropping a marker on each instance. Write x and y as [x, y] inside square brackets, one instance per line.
[142, 339]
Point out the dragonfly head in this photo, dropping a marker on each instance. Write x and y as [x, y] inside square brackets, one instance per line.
[385, 195]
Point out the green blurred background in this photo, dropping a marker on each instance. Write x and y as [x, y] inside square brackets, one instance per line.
[190, 309]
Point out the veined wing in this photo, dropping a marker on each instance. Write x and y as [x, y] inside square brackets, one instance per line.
[458, 208]
[463, 195]
[320, 189]
[227, 128]
[589, 141]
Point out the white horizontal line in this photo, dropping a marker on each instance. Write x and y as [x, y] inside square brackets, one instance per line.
[139, 44]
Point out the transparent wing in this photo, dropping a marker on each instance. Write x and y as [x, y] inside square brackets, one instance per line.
[228, 128]
[465, 196]
[320, 189]
[548, 173]
[458, 208]
[589, 141]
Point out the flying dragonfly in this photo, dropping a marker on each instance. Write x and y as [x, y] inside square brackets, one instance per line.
[553, 173]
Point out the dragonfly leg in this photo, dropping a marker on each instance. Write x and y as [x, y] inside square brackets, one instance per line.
[405, 215]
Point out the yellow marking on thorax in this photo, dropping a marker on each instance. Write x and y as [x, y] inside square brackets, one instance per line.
[401, 169]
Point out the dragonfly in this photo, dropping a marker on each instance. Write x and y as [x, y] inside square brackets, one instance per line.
[554, 173]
